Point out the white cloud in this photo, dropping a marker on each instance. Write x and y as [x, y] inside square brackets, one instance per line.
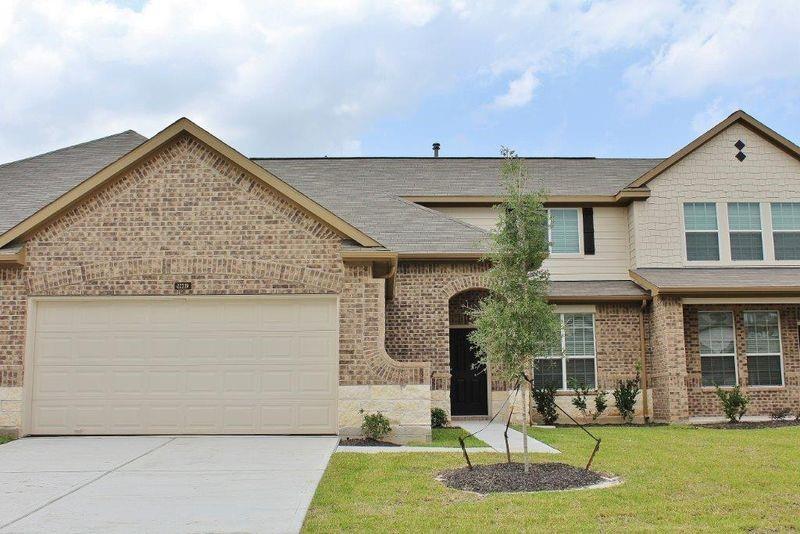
[520, 91]
[722, 45]
[704, 120]
[280, 78]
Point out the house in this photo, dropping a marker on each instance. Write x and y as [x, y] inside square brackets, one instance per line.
[172, 285]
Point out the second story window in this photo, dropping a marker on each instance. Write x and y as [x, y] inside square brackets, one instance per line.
[564, 231]
[786, 230]
[744, 224]
[702, 235]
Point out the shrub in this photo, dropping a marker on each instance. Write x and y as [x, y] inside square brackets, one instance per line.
[781, 413]
[600, 404]
[438, 418]
[545, 399]
[375, 425]
[625, 397]
[580, 400]
[734, 404]
[581, 392]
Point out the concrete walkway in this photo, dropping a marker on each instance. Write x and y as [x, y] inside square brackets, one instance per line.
[160, 484]
[493, 436]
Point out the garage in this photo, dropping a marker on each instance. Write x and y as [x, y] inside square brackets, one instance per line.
[182, 365]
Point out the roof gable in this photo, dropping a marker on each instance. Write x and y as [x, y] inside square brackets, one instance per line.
[133, 157]
[738, 117]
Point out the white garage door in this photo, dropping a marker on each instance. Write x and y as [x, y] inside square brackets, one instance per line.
[193, 365]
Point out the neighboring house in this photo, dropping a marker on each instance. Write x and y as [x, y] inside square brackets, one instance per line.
[171, 285]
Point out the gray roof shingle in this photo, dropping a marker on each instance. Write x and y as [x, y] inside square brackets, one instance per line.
[596, 289]
[366, 192]
[30, 184]
[739, 279]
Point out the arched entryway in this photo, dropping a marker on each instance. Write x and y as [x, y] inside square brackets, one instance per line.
[469, 383]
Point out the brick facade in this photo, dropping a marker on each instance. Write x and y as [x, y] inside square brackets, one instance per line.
[188, 214]
[417, 321]
[431, 296]
[703, 401]
[668, 360]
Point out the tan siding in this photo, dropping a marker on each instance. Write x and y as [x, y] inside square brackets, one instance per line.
[482, 217]
[713, 174]
[610, 261]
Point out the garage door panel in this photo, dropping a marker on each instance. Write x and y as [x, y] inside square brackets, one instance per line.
[316, 347]
[163, 366]
[54, 348]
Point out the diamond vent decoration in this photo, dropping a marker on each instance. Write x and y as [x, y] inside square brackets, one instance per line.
[739, 146]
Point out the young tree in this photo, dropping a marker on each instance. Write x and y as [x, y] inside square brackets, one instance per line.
[514, 323]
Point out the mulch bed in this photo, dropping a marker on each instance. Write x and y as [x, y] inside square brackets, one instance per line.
[366, 442]
[601, 425]
[505, 477]
[749, 425]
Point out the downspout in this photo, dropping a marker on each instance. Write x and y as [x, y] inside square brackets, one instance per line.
[643, 348]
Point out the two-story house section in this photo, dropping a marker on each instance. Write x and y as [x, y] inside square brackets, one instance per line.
[712, 234]
[310, 289]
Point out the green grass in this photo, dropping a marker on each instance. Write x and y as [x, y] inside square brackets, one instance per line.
[5, 439]
[677, 478]
[448, 437]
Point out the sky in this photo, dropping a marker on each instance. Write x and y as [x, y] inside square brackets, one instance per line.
[616, 78]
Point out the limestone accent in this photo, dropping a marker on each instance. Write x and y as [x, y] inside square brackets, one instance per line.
[10, 410]
[408, 409]
[564, 400]
[440, 398]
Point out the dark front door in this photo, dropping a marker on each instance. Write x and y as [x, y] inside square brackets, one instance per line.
[468, 395]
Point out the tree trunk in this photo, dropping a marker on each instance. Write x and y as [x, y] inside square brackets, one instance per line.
[525, 399]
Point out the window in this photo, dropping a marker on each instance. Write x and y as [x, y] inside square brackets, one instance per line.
[763, 348]
[700, 222]
[576, 358]
[786, 230]
[564, 231]
[744, 223]
[717, 349]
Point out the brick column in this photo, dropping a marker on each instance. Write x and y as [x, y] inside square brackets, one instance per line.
[668, 360]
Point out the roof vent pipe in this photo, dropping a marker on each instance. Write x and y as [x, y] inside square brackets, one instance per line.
[436, 147]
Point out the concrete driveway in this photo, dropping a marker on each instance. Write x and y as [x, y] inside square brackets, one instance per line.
[160, 484]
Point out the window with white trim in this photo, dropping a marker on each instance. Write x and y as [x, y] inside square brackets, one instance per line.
[744, 231]
[565, 235]
[717, 348]
[702, 234]
[763, 332]
[576, 358]
[786, 230]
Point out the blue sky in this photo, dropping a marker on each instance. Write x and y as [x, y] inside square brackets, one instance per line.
[608, 78]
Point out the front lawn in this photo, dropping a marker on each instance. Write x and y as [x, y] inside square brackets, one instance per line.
[676, 478]
[448, 437]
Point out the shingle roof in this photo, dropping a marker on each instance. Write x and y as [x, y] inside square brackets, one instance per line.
[366, 192]
[28, 185]
[723, 279]
[600, 289]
